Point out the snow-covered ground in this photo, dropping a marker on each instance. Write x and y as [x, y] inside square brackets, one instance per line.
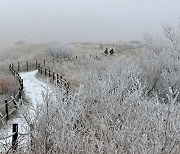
[34, 90]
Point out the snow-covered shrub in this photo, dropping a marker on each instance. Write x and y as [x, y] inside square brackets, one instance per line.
[59, 50]
[124, 105]
[110, 113]
[160, 62]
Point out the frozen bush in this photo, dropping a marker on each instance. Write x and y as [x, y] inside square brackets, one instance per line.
[59, 50]
[109, 114]
[160, 62]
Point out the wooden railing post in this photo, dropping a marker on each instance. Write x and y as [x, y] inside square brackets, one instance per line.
[27, 66]
[15, 137]
[6, 106]
[17, 76]
[39, 68]
[21, 84]
[12, 66]
[36, 64]
[14, 73]
[18, 66]
[57, 79]
[45, 72]
[53, 76]
[31, 136]
[44, 62]
[49, 73]
[19, 79]
[20, 93]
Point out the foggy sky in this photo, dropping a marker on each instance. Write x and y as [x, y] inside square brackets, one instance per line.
[84, 20]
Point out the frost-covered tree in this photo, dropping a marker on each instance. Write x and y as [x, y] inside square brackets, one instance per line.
[160, 61]
[59, 50]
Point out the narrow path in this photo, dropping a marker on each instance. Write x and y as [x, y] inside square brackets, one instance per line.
[34, 90]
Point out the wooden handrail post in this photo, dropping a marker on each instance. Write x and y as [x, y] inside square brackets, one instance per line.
[17, 76]
[20, 93]
[19, 79]
[49, 73]
[36, 65]
[53, 76]
[21, 84]
[6, 106]
[44, 62]
[10, 67]
[38, 69]
[31, 136]
[18, 66]
[67, 88]
[41, 71]
[45, 72]
[15, 136]
[27, 66]
[57, 79]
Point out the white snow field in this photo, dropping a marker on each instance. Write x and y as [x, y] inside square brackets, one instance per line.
[34, 90]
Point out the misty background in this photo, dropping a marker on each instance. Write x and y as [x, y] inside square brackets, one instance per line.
[84, 20]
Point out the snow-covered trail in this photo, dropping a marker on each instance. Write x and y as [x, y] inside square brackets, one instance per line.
[33, 87]
[34, 90]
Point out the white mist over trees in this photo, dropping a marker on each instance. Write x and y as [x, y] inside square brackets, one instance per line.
[83, 20]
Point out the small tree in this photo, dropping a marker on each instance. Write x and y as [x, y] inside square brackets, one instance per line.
[59, 50]
[160, 61]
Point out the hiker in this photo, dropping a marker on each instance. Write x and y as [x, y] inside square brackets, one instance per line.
[106, 51]
[111, 52]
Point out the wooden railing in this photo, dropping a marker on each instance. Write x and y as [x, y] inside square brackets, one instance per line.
[14, 99]
[55, 78]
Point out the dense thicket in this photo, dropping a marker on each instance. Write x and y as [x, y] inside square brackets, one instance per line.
[125, 105]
